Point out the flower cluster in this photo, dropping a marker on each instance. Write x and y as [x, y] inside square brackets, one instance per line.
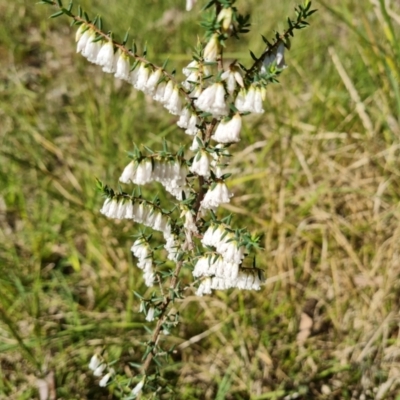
[228, 131]
[141, 212]
[98, 366]
[194, 73]
[226, 243]
[212, 100]
[223, 269]
[215, 265]
[170, 173]
[250, 100]
[142, 251]
[144, 76]
[217, 194]
[248, 279]
[189, 121]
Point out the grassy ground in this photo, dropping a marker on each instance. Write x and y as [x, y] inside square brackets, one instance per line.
[318, 175]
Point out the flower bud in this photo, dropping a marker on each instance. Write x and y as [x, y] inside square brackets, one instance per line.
[225, 16]
[212, 49]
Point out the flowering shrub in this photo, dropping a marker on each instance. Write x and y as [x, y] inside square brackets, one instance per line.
[209, 104]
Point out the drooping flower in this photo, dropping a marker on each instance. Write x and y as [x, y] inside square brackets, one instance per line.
[95, 362]
[220, 159]
[138, 173]
[99, 370]
[92, 48]
[204, 287]
[160, 91]
[189, 223]
[190, 4]
[150, 314]
[122, 69]
[230, 249]
[174, 103]
[250, 100]
[201, 164]
[105, 57]
[192, 73]
[216, 196]
[249, 279]
[82, 37]
[171, 246]
[229, 131]
[192, 66]
[212, 235]
[104, 380]
[138, 388]
[232, 77]
[152, 82]
[141, 250]
[142, 77]
[192, 128]
[184, 118]
[195, 144]
[212, 100]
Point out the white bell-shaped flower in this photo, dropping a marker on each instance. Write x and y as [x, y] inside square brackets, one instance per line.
[150, 314]
[190, 4]
[232, 77]
[250, 100]
[142, 77]
[201, 164]
[92, 48]
[213, 235]
[229, 131]
[105, 58]
[212, 100]
[204, 287]
[152, 82]
[95, 362]
[82, 36]
[184, 118]
[174, 102]
[189, 223]
[160, 91]
[99, 370]
[104, 380]
[192, 128]
[216, 196]
[123, 67]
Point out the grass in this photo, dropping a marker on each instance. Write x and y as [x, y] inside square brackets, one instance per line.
[317, 175]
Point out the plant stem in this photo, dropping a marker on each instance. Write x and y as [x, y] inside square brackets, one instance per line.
[164, 308]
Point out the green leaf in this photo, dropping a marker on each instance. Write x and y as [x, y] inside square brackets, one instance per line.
[57, 14]
[126, 37]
